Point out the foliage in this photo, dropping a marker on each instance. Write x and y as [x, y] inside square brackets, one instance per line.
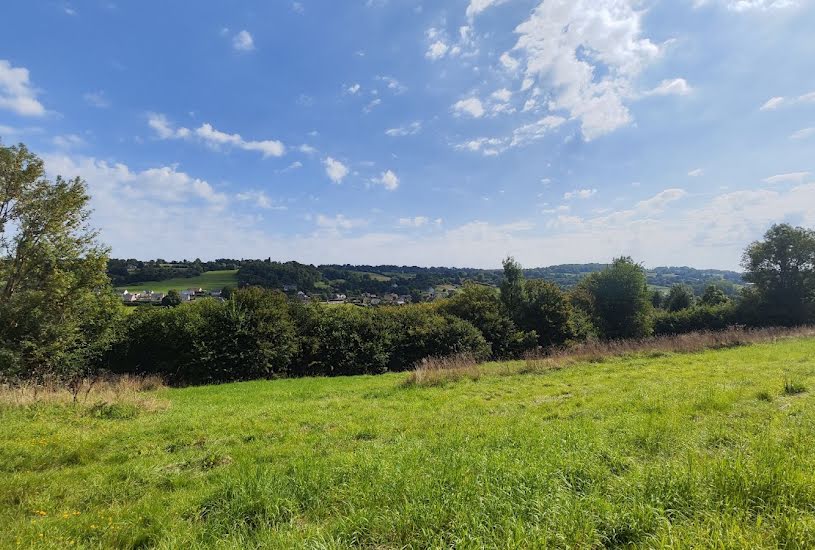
[679, 297]
[617, 301]
[512, 288]
[546, 311]
[481, 306]
[713, 296]
[57, 310]
[277, 275]
[782, 268]
[698, 317]
[172, 299]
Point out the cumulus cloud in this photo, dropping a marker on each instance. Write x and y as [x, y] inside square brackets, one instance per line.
[243, 41]
[335, 170]
[471, 106]
[16, 92]
[416, 221]
[388, 180]
[477, 6]
[259, 199]
[589, 53]
[772, 104]
[339, 222]
[213, 137]
[658, 202]
[437, 50]
[780, 101]
[696, 173]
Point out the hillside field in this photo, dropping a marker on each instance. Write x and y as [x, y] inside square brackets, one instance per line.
[652, 450]
[209, 280]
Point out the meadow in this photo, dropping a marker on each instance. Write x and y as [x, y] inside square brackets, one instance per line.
[649, 449]
[209, 280]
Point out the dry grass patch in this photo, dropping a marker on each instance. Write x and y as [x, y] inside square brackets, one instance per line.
[435, 371]
[98, 392]
[597, 351]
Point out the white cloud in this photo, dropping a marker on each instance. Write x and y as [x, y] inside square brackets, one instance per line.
[658, 202]
[335, 170]
[372, 105]
[392, 84]
[16, 93]
[409, 130]
[509, 62]
[68, 141]
[307, 149]
[96, 99]
[579, 194]
[339, 222]
[260, 199]
[792, 177]
[803, 133]
[416, 221]
[477, 6]
[696, 173]
[243, 41]
[588, 53]
[388, 180]
[676, 86]
[353, 89]
[437, 50]
[487, 146]
[471, 106]
[212, 137]
[297, 7]
[753, 5]
[536, 130]
[772, 104]
[503, 95]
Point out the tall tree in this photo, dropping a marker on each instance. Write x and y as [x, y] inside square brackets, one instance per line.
[56, 305]
[782, 268]
[512, 287]
[679, 297]
[617, 300]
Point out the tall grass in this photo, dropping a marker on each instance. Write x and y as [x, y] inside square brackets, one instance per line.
[120, 389]
[435, 371]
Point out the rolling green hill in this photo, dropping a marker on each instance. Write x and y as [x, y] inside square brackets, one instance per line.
[650, 450]
[210, 280]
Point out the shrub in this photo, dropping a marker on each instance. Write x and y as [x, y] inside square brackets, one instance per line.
[697, 318]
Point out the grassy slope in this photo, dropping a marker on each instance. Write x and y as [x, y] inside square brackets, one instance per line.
[699, 449]
[210, 280]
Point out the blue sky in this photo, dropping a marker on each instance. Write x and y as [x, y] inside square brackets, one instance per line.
[422, 133]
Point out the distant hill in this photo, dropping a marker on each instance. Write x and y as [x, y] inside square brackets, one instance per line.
[377, 279]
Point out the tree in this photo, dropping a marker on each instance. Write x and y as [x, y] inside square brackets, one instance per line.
[782, 268]
[657, 299]
[172, 299]
[57, 310]
[713, 296]
[481, 306]
[512, 287]
[546, 311]
[679, 297]
[616, 299]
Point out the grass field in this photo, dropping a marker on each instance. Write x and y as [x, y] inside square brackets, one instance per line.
[709, 449]
[210, 280]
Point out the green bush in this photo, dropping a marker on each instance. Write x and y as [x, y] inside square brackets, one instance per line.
[696, 318]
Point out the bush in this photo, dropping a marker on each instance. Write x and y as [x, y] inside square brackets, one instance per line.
[481, 306]
[696, 318]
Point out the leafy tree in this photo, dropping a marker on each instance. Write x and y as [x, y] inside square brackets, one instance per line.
[171, 299]
[657, 299]
[616, 299]
[57, 310]
[481, 306]
[679, 297]
[512, 287]
[546, 311]
[782, 268]
[714, 296]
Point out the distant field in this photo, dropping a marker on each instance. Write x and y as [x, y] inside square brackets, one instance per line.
[211, 280]
[710, 449]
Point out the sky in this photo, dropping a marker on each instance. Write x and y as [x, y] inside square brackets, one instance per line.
[422, 132]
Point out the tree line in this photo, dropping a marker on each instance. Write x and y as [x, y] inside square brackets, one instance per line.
[59, 317]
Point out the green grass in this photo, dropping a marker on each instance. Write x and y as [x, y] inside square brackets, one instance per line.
[210, 280]
[706, 449]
